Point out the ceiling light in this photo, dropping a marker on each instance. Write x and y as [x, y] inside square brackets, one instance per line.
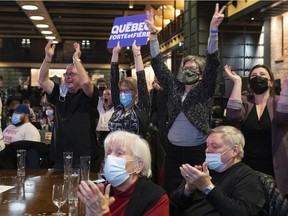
[36, 17]
[131, 4]
[46, 32]
[29, 7]
[50, 37]
[42, 26]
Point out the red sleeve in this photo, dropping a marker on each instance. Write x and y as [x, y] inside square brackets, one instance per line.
[161, 208]
[107, 214]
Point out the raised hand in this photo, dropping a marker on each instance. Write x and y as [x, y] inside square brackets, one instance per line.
[96, 202]
[77, 52]
[196, 178]
[150, 20]
[50, 49]
[136, 49]
[231, 74]
[117, 49]
[218, 17]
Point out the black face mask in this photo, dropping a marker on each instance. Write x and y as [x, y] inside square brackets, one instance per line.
[258, 84]
[190, 77]
[101, 89]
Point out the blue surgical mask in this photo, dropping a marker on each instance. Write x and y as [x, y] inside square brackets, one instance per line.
[214, 161]
[126, 99]
[16, 118]
[115, 170]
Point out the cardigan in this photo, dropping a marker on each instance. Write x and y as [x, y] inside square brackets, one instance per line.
[198, 103]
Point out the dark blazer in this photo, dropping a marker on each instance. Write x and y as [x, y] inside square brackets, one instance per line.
[278, 114]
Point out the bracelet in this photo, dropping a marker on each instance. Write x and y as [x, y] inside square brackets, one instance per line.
[136, 55]
[76, 60]
[44, 60]
[214, 31]
[153, 33]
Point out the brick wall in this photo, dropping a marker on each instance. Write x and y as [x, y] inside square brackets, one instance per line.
[279, 46]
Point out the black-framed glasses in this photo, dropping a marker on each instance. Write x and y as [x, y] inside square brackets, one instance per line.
[71, 75]
[192, 68]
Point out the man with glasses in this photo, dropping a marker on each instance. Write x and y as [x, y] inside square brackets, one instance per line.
[76, 109]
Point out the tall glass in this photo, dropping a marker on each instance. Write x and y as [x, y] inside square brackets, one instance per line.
[59, 197]
[67, 162]
[21, 161]
[73, 185]
[85, 167]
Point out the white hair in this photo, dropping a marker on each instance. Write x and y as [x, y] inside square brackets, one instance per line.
[138, 146]
[231, 136]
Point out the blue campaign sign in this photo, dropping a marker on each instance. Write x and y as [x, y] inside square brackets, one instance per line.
[127, 29]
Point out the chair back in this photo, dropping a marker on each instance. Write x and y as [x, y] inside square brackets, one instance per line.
[276, 203]
[37, 155]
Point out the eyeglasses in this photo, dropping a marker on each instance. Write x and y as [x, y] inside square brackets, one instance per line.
[192, 68]
[70, 75]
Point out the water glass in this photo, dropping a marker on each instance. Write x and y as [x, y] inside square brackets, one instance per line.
[67, 162]
[73, 184]
[85, 167]
[21, 161]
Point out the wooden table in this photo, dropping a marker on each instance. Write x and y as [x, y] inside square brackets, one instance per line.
[34, 195]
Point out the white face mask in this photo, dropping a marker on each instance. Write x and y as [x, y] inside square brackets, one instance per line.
[49, 112]
[214, 161]
[115, 170]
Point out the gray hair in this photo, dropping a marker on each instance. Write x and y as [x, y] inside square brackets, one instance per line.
[200, 61]
[231, 136]
[138, 146]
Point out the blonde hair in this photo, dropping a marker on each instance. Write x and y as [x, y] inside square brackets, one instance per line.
[138, 146]
[132, 85]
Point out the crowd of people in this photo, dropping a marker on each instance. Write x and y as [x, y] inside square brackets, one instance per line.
[205, 171]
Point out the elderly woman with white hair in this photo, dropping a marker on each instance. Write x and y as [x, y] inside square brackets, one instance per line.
[127, 168]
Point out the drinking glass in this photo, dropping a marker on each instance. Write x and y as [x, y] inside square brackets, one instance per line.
[59, 197]
[67, 161]
[85, 167]
[21, 160]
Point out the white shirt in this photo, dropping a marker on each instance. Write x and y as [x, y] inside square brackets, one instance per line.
[104, 117]
[26, 131]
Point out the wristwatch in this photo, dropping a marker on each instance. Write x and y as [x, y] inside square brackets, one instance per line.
[208, 189]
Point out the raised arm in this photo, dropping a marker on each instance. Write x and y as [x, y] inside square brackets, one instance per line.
[137, 57]
[45, 83]
[216, 20]
[143, 94]
[85, 82]
[236, 91]
[115, 75]
[154, 43]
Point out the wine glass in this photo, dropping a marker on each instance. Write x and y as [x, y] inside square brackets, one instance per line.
[59, 197]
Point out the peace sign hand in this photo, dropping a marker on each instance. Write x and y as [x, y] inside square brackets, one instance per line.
[218, 17]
